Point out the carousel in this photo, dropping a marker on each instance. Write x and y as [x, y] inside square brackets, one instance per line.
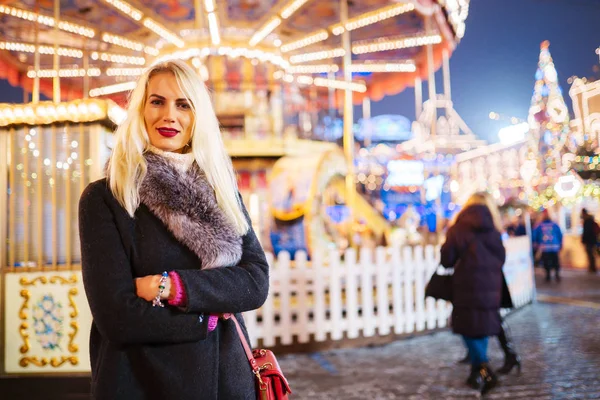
[277, 69]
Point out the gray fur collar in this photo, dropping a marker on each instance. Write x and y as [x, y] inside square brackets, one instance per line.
[185, 202]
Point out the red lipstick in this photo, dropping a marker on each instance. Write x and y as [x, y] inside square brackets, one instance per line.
[168, 132]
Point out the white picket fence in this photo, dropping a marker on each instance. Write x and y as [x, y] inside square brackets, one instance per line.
[328, 297]
[331, 298]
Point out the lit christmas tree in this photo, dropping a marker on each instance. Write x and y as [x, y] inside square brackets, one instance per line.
[549, 132]
[548, 116]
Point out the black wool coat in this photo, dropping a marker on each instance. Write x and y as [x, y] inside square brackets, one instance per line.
[143, 352]
[474, 249]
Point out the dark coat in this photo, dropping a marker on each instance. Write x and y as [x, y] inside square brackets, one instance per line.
[142, 352]
[474, 249]
[589, 236]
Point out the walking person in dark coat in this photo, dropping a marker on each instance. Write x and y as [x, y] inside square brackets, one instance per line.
[167, 247]
[511, 357]
[547, 238]
[589, 238]
[474, 249]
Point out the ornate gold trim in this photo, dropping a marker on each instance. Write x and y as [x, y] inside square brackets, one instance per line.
[23, 332]
[42, 362]
[56, 363]
[72, 304]
[72, 279]
[73, 348]
[26, 295]
[25, 361]
[26, 282]
[53, 279]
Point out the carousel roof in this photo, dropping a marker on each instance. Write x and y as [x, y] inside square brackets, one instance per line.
[111, 40]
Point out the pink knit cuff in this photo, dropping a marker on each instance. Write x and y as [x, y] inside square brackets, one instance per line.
[213, 319]
[180, 299]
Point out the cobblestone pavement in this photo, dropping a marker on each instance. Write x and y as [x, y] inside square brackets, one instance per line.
[558, 340]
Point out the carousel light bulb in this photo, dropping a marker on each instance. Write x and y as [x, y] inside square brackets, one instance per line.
[8, 113]
[72, 108]
[318, 55]
[27, 15]
[312, 69]
[306, 41]
[95, 110]
[408, 66]
[372, 17]
[124, 71]
[126, 9]
[265, 30]
[209, 6]
[304, 80]
[385, 44]
[291, 8]
[122, 42]
[46, 161]
[110, 89]
[77, 29]
[83, 109]
[342, 85]
[51, 111]
[213, 27]
[163, 32]
[119, 58]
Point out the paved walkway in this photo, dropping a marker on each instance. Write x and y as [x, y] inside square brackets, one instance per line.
[558, 339]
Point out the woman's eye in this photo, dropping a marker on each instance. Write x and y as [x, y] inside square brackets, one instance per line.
[185, 106]
[156, 102]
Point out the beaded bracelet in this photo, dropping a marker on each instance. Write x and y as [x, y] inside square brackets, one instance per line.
[161, 288]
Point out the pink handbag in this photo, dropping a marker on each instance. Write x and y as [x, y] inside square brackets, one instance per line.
[270, 382]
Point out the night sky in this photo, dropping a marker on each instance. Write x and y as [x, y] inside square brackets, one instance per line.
[493, 67]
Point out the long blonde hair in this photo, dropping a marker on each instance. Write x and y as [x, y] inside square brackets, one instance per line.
[484, 199]
[127, 165]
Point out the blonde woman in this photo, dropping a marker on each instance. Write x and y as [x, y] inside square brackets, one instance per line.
[166, 247]
[474, 249]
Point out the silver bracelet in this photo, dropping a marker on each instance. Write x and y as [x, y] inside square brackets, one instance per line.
[161, 288]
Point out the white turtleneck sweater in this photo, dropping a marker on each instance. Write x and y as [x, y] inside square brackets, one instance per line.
[181, 161]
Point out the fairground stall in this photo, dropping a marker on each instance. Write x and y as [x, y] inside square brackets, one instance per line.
[548, 162]
[278, 71]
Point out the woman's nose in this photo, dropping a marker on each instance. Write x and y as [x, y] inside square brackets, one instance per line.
[169, 115]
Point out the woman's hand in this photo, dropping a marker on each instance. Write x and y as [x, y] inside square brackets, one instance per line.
[147, 287]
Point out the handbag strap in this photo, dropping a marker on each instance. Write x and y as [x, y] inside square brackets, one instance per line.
[245, 345]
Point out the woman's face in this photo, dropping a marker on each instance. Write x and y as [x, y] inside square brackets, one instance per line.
[168, 115]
